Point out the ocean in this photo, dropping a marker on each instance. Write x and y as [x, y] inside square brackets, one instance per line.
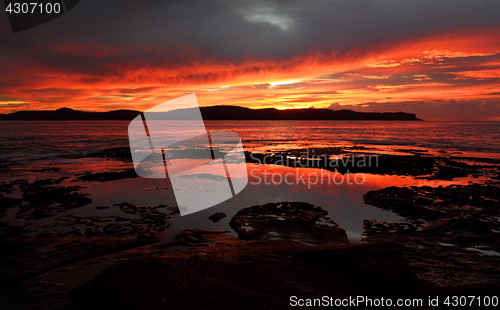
[41, 150]
[26, 139]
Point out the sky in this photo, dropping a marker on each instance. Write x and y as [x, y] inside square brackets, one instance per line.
[439, 59]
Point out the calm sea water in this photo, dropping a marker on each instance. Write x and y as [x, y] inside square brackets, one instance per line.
[40, 138]
[28, 146]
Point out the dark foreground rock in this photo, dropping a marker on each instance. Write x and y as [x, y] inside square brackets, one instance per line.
[291, 221]
[38, 272]
[217, 216]
[46, 198]
[23, 258]
[107, 176]
[202, 269]
[260, 274]
[39, 199]
[432, 203]
[451, 235]
[419, 164]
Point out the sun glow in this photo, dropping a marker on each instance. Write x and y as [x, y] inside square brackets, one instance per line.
[462, 65]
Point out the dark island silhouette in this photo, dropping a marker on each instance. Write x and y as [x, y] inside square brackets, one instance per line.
[214, 113]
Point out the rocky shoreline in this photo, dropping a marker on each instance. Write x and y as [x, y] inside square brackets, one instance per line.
[447, 243]
[454, 229]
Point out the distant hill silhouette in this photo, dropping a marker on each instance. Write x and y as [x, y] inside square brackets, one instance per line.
[240, 113]
[214, 113]
[69, 115]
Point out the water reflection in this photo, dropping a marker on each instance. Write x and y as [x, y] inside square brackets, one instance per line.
[343, 200]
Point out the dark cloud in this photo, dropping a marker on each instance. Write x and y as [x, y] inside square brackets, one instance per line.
[125, 47]
[159, 31]
[137, 90]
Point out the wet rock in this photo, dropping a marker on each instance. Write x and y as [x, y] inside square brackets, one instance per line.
[145, 220]
[374, 227]
[260, 274]
[292, 221]
[450, 235]
[430, 203]
[130, 208]
[8, 202]
[21, 258]
[92, 232]
[48, 169]
[217, 216]
[44, 198]
[107, 176]
[119, 153]
[192, 238]
[415, 165]
[47, 233]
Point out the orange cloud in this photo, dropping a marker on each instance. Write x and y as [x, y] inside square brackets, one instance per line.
[477, 74]
[96, 77]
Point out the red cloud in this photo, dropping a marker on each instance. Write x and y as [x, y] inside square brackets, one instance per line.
[100, 77]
